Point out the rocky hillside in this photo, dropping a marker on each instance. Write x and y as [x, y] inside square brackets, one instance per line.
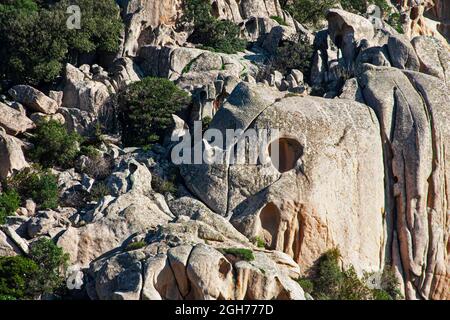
[357, 100]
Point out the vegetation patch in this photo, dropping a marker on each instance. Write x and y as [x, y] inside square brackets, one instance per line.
[146, 108]
[29, 278]
[53, 145]
[331, 282]
[136, 246]
[279, 19]
[36, 41]
[37, 184]
[240, 253]
[9, 203]
[211, 33]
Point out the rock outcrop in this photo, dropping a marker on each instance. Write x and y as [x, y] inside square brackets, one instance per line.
[11, 155]
[14, 121]
[187, 259]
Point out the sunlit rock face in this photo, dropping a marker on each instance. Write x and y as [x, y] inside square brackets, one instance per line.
[325, 190]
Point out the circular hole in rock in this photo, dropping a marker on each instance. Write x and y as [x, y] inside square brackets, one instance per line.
[284, 153]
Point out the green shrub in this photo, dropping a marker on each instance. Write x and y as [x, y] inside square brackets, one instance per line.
[52, 263]
[16, 276]
[212, 34]
[206, 121]
[36, 41]
[241, 253]
[136, 245]
[279, 19]
[331, 282]
[9, 203]
[294, 54]
[37, 184]
[260, 243]
[53, 145]
[28, 278]
[306, 284]
[99, 191]
[146, 109]
[310, 12]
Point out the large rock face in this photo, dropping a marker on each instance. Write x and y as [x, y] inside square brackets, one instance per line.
[14, 121]
[33, 99]
[414, 117]
[329, 179]
[12, 158]
[185, 260]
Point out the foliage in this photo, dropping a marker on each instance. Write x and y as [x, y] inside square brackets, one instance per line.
[241, 253]
[146, 109]
[294, 54]
[260, 243]
[9, 203]
[394, 20]
[36, 41]
[53, 145]
[163, 186]
[52, 263]
[136, 245]
[99, 191]
[211, 33]
[206, 121]
[279, 19]
[306, 284]
[16, 274]
[37, 184]
[310, 12]
[101, 25]
[333, 283]
[27, 278]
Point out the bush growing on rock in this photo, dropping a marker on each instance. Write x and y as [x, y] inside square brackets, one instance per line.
[54, 145]
[211, 33]
[28, 278]
[240, 253]
[296, 53]
[52, 262]
[146, 109]
[36, 41]
[37, 184]
[9, 203]
[333, 283]
[310, 12]
[16, 274]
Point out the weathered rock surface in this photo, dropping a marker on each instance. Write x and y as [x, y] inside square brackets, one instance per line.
[286, 206]
[414, 118]
[183, 260]
[11, 155]
[33, 99]
[434, 57]
[14, 121]
[114, 219]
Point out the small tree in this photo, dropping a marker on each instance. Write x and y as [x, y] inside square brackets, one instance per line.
[37, 184]
[53, 145]
[146, 109]
[296, 53]
[213, 34]
[310, 12]
[9, 203]
[16, 274]
[52, 263]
